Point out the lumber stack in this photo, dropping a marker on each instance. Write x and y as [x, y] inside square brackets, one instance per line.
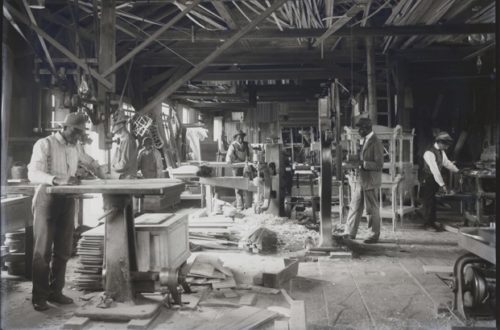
[213, 233]
[90, 251]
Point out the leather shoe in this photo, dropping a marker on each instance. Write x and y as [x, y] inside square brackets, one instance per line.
[371, 240]
[59, 298]
[40, 306]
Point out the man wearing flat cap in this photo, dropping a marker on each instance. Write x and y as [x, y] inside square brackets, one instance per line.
[431, 179]
[124, 163]
[367, 185]
[54, 162]
[239, 152]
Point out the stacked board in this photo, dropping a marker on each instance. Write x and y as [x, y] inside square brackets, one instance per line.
[90, 251]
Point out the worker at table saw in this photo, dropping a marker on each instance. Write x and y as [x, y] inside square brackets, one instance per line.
[364, 194]
[431, 180]
[239, 152]
[149, 160]
[124, 163]
[54, 161]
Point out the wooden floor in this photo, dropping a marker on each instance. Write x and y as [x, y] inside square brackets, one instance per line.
[382, 287]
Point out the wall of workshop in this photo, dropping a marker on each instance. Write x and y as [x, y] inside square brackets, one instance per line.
[456, 106]
[24, 101]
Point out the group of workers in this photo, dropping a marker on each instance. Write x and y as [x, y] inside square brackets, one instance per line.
[55, 160]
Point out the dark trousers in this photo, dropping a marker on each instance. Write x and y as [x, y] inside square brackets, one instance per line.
[53, 229]
[428, 190]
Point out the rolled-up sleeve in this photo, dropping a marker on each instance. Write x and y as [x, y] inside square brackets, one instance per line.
[230, 154]
[430, 160]
[37, 168]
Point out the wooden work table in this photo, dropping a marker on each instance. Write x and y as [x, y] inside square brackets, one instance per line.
[120, 254]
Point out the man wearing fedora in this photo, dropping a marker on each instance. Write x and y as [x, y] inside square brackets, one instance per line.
[431, 179]
[124, 163]
[54, 162]
[365, 191]
[239, 152]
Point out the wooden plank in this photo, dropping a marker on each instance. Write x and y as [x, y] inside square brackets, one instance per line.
[217, 303]
[226, 284]
[287, 297]
[248, 299]
[76, 323]
[230, 182]
[162, 95]
[298, 320]
[429, 269]
[280, 325]
[276, 280]
[256, 288]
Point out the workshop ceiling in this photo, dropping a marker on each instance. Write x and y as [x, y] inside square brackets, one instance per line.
[302, 43]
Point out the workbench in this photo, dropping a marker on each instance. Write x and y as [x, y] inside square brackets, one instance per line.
[233, 182]
[120, 259]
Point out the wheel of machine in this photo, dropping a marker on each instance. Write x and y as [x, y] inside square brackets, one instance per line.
[288, 206]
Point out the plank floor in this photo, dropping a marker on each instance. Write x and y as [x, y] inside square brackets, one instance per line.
[384, 286]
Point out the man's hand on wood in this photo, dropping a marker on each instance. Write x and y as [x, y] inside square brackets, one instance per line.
[65, 181]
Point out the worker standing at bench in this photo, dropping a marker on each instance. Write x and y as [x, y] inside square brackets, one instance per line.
[54, 161]
[239, 152]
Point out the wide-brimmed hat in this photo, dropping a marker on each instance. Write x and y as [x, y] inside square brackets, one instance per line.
[240, 132]
[364, 122]
[444, 137]
[76, 120]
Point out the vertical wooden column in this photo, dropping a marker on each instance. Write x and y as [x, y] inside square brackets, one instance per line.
[106, 57]
[118, 257]
[371, 80]
[7, 66]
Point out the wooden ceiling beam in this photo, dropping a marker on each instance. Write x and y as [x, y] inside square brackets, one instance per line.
[163, 94]
[356, 31]
[151, 38]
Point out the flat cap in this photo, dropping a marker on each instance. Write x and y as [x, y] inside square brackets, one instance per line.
[364, 122]
[444, 137]
[76, 120]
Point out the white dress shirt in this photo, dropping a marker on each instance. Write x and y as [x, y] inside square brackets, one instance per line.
[430, 160]
[53, 156]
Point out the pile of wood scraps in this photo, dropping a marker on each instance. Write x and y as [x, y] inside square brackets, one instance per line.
[215, 233]
[90, 260]
[209, 270]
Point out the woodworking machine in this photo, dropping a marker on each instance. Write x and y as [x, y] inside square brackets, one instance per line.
[475, 274]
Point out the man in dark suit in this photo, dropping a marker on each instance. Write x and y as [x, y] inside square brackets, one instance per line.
[366, 186]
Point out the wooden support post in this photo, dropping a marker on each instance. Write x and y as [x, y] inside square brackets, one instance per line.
[118, 283]
[371, 80]
[106, 58]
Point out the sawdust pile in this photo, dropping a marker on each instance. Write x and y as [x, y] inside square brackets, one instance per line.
[291, 235]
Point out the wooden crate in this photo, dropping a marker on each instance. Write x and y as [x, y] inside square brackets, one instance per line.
[163, 245]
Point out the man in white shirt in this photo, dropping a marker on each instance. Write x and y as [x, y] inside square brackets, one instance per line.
[239, 152]
[55, 161]
[432, 180]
